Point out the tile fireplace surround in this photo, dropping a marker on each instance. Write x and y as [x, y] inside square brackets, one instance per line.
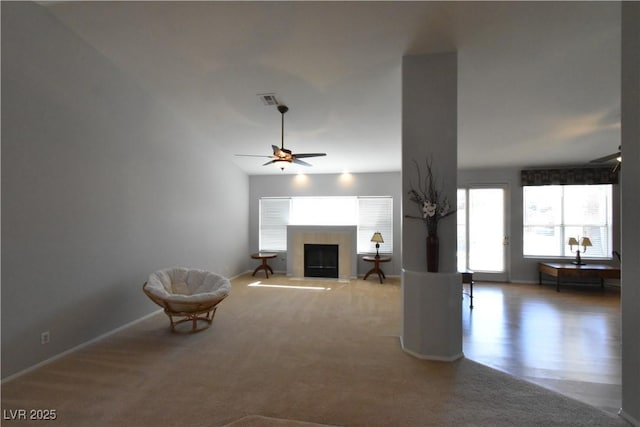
[342, 235]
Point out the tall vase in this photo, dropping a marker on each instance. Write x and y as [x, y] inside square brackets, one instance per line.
[433, 251]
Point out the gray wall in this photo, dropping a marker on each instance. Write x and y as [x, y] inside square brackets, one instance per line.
[523, 269]
[101, 185]
[364, 184]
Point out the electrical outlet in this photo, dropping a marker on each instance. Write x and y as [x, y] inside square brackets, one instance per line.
[45, 337]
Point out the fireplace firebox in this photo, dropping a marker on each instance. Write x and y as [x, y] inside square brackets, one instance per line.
[320, 260]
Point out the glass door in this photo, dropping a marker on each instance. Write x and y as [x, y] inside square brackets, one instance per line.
[482, 238]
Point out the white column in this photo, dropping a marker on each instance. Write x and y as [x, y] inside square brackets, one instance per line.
[630, 201]
[432, 315]
[432, 302]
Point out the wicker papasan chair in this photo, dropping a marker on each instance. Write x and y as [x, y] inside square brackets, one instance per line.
[189, 294]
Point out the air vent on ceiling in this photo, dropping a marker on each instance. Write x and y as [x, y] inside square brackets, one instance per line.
[268, 98]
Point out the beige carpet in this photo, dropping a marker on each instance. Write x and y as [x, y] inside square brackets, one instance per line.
[282, 357]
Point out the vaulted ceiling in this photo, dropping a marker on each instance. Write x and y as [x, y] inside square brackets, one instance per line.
[539, 82]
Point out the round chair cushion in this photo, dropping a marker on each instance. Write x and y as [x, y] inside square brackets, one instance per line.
[182, 287]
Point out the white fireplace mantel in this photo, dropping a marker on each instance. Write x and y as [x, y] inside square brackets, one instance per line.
[345, 236]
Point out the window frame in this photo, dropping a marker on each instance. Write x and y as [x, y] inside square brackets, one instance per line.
[261, 219]
[359, 202]
[562, 251]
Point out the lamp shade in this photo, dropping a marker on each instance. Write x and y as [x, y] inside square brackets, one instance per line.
[377, 237]
[586, 242]
[573, 241]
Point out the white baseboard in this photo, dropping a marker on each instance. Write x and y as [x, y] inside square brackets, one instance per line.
[91, 341]
[76, 348]
[628, 418]
[428, 357]
[240, 274]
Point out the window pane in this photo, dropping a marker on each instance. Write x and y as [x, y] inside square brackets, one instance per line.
[584, 204]
[543, 205]
[555, 213]
[324, 211]
[274, 218]
[486, 229]
[543, 241]
[375, 214]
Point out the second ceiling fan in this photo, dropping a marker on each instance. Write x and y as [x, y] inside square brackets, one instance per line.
[614, 156]
[281, 156]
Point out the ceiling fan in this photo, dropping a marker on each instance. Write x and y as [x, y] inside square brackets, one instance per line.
[282, 157]
[614, 156]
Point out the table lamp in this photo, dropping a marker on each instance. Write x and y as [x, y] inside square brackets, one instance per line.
[585, 242]
[377, 237]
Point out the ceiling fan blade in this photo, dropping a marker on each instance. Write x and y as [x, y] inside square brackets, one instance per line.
[300, 162]
[616, 168]
[610, 157]
[270, 162]
[252, 155]
[303, 155]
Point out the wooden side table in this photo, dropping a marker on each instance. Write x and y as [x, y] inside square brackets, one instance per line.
[376, 266]
[572, 271]
[264, 256]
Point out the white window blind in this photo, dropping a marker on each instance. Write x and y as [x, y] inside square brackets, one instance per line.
[375, 214]
[369, 214]
[554, 213]
[274, 218]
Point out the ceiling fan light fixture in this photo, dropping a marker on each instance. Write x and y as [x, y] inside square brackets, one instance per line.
[282, 164]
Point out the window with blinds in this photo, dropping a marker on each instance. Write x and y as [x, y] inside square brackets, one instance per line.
[375, 214]
[274, 218]
[555, 213]
[369, 214]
